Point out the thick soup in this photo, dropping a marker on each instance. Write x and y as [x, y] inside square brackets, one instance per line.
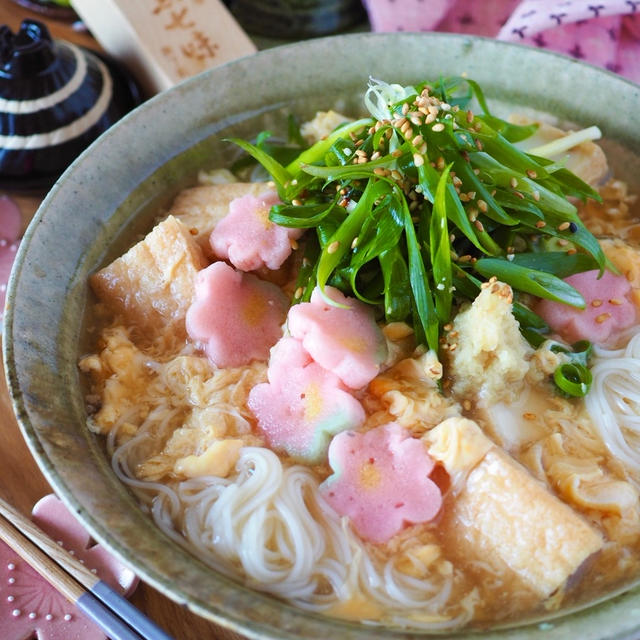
[397, 381]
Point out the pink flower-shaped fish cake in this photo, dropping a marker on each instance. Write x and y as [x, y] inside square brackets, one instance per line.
[343, 339]
[236, 316]
[248, 239]
[608, 308]
[30, 605]
[381, 481]
[302, 405]
[10, 227]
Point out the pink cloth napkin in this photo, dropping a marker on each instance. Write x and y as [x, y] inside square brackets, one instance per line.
[605, 33]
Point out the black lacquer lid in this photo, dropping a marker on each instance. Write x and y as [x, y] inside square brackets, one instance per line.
[55, 99]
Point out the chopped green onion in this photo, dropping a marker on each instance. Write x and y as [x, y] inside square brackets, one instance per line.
[573, 378]
[413, 208]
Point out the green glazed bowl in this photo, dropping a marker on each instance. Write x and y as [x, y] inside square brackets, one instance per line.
[113, 191]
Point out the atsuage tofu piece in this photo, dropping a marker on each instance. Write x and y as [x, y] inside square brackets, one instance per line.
[153, 284]
[501, 514]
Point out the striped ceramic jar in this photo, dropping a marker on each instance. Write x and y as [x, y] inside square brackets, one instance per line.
[55, 99]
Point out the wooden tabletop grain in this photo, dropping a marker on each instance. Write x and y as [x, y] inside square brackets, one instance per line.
[21, 483]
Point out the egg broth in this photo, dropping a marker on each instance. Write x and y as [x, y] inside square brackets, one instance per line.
[121, 382]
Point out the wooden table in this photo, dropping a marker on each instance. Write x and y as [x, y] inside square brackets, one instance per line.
[21, 482]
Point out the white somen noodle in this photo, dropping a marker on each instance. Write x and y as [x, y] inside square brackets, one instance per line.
[270, 522]
[614, 400]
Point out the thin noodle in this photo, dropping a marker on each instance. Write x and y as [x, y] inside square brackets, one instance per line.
[614, 400]
[270, 524]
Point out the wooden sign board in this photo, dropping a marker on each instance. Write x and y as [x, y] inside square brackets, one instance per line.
[165, 41]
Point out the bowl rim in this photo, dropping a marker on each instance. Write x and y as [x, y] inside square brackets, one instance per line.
[16, 331]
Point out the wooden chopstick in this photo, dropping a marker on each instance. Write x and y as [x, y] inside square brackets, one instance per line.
[108, 609]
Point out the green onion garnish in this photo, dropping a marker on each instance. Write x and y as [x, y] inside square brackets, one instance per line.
[413, 208]
[573, 378]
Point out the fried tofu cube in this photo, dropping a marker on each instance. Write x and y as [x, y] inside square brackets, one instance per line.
[201, 208]
[501, 512]
[153, 284]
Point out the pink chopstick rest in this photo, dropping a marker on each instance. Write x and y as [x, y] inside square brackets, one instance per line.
[30, 605]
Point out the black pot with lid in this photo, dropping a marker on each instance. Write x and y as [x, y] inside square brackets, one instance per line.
[55, 99]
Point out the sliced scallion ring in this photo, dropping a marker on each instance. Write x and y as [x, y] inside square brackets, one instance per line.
[573, 378]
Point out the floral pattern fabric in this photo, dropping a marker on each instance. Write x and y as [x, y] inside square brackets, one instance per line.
[604, 33]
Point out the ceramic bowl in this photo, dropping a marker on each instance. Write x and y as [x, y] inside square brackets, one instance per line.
[111, 194]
